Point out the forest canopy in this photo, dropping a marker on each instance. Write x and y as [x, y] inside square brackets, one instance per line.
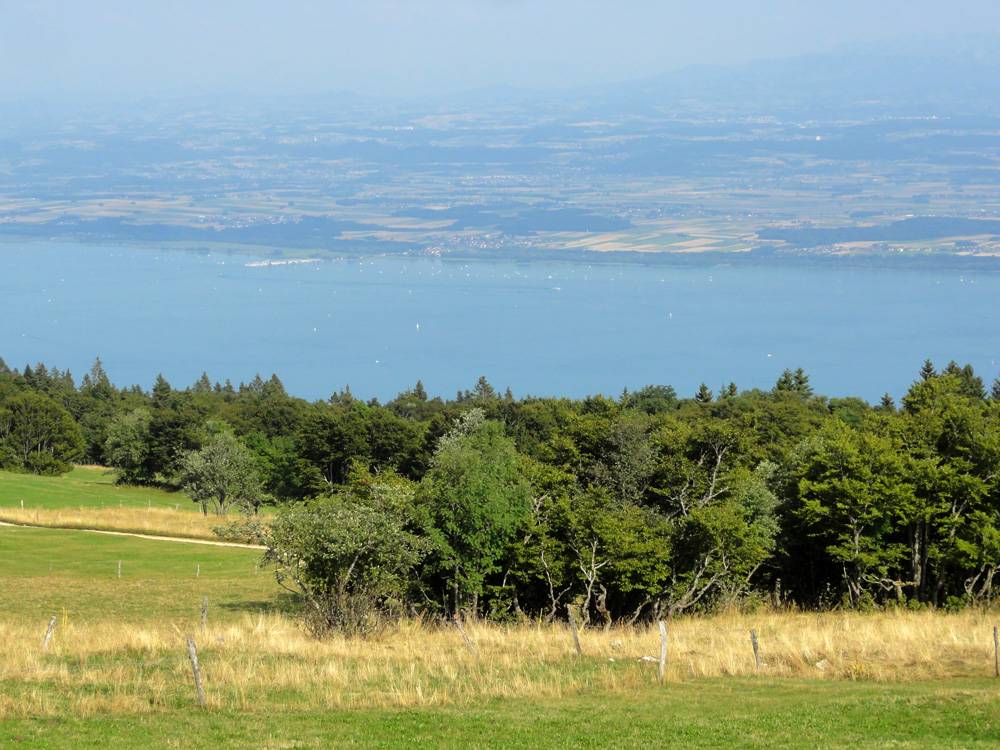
[611, 509]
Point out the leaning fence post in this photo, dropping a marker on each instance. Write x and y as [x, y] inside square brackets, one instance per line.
[468, 641]
[48, 633]
[196, 670]
[663, 652]
[756, 649]
[996, 652]
[576, 631]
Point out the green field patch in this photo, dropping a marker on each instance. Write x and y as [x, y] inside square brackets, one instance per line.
[741, 713]
[74, 574]
[84, 486]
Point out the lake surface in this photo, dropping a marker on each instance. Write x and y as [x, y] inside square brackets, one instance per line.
[540, 328]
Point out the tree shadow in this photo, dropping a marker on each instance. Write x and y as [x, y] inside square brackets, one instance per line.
[284, 603]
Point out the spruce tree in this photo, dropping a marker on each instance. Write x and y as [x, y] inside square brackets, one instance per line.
[419, 392]
[274, 386]
[96, 382]
[972, 384]
[785, 383]
[483, 390]
[927, 371]
[161, 392]
[704, 394]
[203, 384]
[800, 382]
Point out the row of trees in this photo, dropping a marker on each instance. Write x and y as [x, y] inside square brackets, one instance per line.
[619, 509]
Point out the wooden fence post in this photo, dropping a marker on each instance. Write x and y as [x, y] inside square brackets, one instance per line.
[119, 568]
[996, 652]
[663, 652]
[756, 649]
[197, 570]
[48, 633]
[576, 631]
[196, 670]
[204, 614]
[468, 641]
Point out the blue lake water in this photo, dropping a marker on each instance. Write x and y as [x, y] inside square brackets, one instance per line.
[541, 328]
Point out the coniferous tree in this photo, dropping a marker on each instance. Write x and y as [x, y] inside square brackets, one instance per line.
[801, 382]
[785, 382]
[927, 370]
[483, 391]
[973, 385]
[419, 392]
[274, 387]
[161, 392]
[704, 394]
[96, 382]
[794, 382]
[203, 384]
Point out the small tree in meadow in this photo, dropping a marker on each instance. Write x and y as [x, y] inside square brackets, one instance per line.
[222, 474]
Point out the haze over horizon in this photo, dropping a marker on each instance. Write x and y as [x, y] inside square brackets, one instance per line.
[52, 50]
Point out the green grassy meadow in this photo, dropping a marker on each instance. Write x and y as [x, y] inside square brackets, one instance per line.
[710, 714]
[73, 574]
[84, 486]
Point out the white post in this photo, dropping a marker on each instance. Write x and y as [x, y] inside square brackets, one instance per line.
[48, 633]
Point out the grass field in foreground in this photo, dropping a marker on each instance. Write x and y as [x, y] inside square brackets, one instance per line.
[743, 713]
[86, 486]
[75, 573]
[116, 673]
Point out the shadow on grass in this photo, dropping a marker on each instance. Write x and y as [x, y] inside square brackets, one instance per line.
[283, 603]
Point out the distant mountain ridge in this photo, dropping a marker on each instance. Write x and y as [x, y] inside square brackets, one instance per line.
[913, 78]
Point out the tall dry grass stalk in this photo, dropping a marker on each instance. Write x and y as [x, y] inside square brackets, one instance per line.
[268, 662]
[154, 521]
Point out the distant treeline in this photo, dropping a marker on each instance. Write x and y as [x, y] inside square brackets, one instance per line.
[615, 508]
[904, 230]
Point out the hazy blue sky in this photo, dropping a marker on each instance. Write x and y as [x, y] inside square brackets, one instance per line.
[58, 47]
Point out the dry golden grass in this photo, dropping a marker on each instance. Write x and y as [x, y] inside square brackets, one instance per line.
[152, 521]
[268, 662]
